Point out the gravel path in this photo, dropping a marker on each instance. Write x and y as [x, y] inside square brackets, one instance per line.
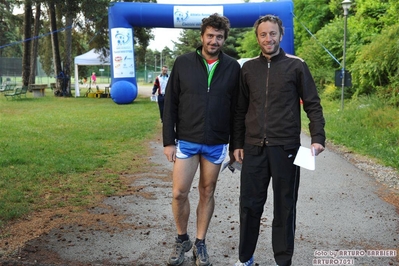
[387, 176]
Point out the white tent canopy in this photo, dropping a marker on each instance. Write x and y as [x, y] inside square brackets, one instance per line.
[91, 58]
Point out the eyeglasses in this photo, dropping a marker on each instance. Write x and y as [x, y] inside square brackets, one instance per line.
[272, 18]
[269, 18]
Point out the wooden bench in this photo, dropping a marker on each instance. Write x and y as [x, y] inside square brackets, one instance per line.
[38, 89]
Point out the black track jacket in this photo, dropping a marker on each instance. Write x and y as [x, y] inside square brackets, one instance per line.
[268, 105]
[193, 112]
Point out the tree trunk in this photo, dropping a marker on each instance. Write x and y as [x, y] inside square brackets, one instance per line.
[56, 50]
[68, 48]
[26, 60]
[33, 68]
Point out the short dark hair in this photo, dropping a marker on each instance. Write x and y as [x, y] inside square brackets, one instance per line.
[218, 22]
[271, 18]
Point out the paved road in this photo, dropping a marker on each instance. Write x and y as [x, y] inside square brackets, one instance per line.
[338, 210]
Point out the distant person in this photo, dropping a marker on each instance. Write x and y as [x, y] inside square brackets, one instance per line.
[197, 115]
[84, 81]
[267, 128]
[93, 78]
[160, 86]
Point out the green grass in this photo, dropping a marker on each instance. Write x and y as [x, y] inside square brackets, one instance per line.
[366, 126]
[68, 151]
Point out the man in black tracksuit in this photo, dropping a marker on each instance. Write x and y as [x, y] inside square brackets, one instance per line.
[267, 128]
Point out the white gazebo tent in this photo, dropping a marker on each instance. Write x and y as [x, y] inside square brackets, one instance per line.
[91, 58]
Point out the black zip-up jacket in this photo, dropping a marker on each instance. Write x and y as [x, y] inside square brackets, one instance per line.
[268, 104]
[195, 112]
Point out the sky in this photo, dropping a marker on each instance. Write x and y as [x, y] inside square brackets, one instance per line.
[164, 36]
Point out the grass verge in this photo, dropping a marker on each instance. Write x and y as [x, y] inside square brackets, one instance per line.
[68, 151]
[366, 126]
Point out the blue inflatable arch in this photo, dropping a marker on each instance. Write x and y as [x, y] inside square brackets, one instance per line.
[123, 16]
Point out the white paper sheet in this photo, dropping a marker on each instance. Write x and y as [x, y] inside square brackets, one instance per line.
[305, 159]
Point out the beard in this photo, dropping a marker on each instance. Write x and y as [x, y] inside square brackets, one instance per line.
[212, 52]
[273, 51]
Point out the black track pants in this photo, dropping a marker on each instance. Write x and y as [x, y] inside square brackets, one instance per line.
[260, 165]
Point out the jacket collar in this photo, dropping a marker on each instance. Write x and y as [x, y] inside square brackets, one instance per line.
[281, 54]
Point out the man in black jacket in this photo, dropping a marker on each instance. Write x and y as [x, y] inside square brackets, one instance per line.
[196, 128]
[267, 128]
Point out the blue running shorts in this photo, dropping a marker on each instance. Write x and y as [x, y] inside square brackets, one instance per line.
[213, 153]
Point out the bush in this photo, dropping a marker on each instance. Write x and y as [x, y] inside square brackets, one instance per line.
[375, 69]
[390, 94]
[331, 92]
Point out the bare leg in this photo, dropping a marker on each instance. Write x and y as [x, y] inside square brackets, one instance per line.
[209, 173]
[183, 175]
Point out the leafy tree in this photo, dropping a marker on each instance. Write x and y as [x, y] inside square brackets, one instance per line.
[249, 45]
[368, 18]
[372, 49]
[233, 42]
[168, 57]
[312, 15]
[10, 30]
[391, 16]
[321, 63]
[94, 22]
[150, 60]
[376, 68]
[371, 39]
[189, 40]
[365, 21]
[85, 20]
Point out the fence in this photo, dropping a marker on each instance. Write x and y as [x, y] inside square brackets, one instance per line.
[11, 69]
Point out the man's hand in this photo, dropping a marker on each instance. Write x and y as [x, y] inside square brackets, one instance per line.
[170, 152]
[239, 155]
[232, 159]
[317, 149]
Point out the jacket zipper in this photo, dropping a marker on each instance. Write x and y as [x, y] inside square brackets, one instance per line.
[266, 99]
[211, 72]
